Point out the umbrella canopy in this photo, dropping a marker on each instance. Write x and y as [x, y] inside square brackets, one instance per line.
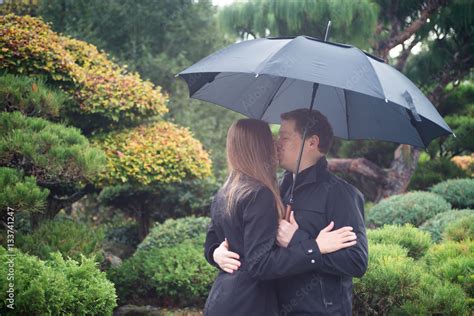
[362, 97]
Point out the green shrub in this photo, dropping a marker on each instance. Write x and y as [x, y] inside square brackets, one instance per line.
[395, 284]
[106, 95]
[458, 192]
[412, 207]
[71, 239]
[56, 287]
[449, 249]
[436, 225]
[174, 231]
[461, 229]
[135, 283]
[435, 297]
[126, 234]
[133, 287]
[407, 236]
[181, 276]
[433, 171]
[391, 279]
[454, 262]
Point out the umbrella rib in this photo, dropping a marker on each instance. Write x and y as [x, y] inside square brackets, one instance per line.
[272, 97]
[347, 115]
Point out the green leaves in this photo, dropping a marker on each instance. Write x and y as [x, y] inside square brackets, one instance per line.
[153, 154]
[55, 154]
[417, 242]
[20, 193]
[57, 286]
[103, 91]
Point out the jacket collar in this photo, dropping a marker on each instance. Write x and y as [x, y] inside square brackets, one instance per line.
[312, 174]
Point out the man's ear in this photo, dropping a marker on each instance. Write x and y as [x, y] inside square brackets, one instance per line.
[314, 141]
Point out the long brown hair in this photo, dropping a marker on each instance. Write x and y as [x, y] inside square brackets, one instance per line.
[250, 154]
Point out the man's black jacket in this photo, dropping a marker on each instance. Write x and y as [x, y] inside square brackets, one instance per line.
[319, 198]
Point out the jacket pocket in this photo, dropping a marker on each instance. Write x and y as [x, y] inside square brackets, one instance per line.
[331, 291]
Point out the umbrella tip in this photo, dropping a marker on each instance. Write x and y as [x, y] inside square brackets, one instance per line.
[327, 31]
[454, 135]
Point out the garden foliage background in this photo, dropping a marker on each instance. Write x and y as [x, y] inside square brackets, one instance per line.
[109, 168]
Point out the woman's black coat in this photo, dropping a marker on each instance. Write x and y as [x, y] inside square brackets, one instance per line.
[251, 231]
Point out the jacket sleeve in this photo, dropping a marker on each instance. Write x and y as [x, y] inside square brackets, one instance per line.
[346, 208]
[211, 243]
[263, 258]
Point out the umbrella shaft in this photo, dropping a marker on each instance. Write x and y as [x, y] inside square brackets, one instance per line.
[305, 131]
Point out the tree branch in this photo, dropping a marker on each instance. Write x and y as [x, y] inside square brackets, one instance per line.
[397, 37]
[361, 166]
[402, 59]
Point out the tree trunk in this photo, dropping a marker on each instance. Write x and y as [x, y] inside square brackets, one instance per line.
[143, 220]
[56, 204]
[384, 182]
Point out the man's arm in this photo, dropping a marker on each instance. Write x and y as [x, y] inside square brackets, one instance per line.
[346, 208]
[217, 252]
[211, 243]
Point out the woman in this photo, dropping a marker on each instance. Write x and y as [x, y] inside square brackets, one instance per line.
[246, 212]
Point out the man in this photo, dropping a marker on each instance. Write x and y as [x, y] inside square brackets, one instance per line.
[320, 199]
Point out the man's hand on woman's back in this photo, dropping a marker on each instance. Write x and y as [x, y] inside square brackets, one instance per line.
[225, 259]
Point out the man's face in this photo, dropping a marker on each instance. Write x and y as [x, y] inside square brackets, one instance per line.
[288, 145]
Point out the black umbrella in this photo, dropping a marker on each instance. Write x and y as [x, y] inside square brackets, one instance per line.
[361, 95]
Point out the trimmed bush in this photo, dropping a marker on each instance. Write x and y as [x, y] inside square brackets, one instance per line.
[465, 162]
[458, 192]
[395, 284]
[71, 239]
[413, 207]
[181, 275]
[461, 229]
[56, 287]
[133, 287]
[391, 279]
[454, 262]
[103, 90]
[135, 282]
[436, 225]
[435, 297]
[174, 231]
[160, 153]
[409, 237]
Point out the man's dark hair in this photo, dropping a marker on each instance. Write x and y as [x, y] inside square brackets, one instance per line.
[317, 123]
